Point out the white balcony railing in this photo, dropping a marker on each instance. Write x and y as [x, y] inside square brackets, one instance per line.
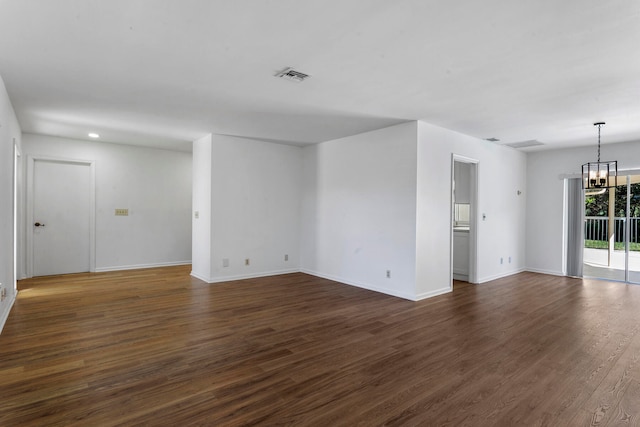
[597, 228]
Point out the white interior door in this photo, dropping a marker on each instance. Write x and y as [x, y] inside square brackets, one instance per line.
[61, 217]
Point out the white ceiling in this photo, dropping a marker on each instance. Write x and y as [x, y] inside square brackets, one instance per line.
[166, 72]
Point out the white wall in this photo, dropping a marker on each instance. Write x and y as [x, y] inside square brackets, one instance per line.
[462, 177]
[545, 197]
[255, 208]
[358, 210]
[382, 201]
[501, 173]
[9, 132]
[155, 185]
[201, 226]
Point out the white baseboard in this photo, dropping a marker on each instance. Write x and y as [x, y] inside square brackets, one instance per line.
[5, 314]
[312, 273]
[386, 291]
[500, 275]
[139, 266]
[200, 277]
[435, 293]
[221, 279]
[550, 272]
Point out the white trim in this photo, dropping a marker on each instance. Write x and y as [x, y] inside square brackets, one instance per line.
[336, 279]
[565, 223]
[17, 214]
[569, 176]
[452, 202]
[140, 266]
[542, 271]
[463, 159]
[4, 316]
[386, 291]
[501, 275]
[473, 218]
[432, 294]
[221, 279]
[31, 159]
[199, 277]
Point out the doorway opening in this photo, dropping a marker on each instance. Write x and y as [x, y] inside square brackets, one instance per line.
[464, 200]
[611, 242]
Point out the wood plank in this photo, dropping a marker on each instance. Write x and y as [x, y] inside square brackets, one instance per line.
[157, 346]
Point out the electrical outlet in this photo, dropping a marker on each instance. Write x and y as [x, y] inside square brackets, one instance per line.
[388, 274]
[225, 262]
[196, 214]
[501, 260]
[509, 260]
[246, 261]
[286, 257]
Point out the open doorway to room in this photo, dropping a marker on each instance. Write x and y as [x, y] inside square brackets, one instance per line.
[611, 231]
[464, 195]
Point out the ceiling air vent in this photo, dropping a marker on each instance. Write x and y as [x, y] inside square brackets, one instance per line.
[492, 139]
[524, 144]
[293, 75]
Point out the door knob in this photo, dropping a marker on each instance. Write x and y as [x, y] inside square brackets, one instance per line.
[37, 224]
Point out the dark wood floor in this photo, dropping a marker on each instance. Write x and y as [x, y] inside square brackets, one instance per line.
[157, 347]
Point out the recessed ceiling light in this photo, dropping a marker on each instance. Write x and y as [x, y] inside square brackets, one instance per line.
[94, 135]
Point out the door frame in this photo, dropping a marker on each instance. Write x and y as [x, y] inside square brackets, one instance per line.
[31, 163]
[18, 241]
[473, 216]
[566, 221]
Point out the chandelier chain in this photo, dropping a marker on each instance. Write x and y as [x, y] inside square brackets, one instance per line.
[599, 126]
[598, 175]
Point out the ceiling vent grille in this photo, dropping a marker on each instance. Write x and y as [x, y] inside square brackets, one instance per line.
[492, 139]
[524, 144]
[293, 75]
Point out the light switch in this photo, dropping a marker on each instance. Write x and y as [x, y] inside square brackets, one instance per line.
[122, 212]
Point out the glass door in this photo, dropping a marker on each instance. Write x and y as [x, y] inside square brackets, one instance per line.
[633, 229]
[603, 256]
[612, 231]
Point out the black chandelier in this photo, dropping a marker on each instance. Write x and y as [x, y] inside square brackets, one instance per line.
[599, 175]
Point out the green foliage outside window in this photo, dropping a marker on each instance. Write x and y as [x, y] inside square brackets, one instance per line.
[598, 205]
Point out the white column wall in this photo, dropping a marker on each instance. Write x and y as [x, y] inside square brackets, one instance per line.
[255, 197]
[501, 173]
[9, 131]
[358, 210]
[201, 226]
